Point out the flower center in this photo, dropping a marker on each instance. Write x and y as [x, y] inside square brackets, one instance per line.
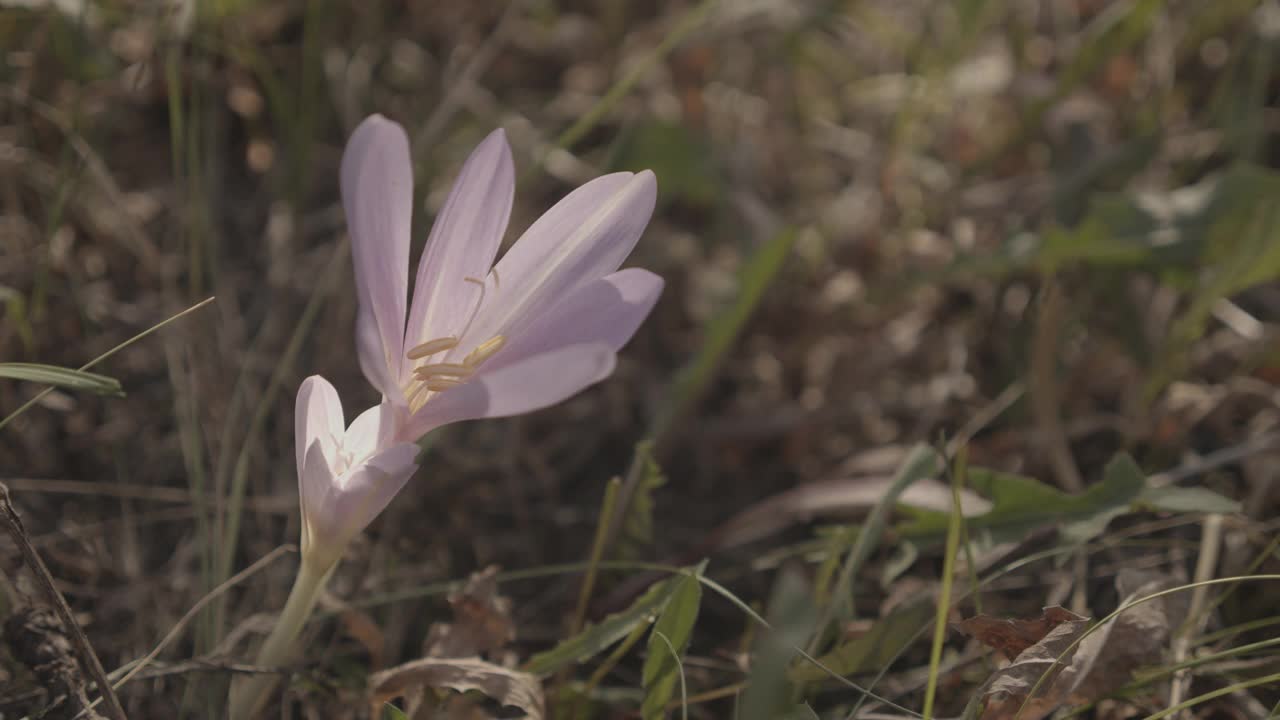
[431, 378]
[343, 458]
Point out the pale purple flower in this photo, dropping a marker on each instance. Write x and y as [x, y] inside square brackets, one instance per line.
[346, 475]
[485, 340]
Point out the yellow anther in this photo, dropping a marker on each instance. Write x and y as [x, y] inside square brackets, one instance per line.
[431, 347]
[426, 372]
[484, 351]
[438, 384]
[418, 396]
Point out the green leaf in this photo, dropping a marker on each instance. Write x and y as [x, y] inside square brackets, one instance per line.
[62, 377]
[670, 634]
[391, 712]
[792, 615]
[875, 648]
[636, 533]
[1022, 504]
[596, 638]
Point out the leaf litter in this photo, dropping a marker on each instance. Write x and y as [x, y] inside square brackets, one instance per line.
[1058, 660]
[482, 626]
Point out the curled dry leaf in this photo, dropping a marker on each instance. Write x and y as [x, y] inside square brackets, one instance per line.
[481, 620]
[508, 688]
[1097, 666]
[1012, 637]
[1008, 688]
[482, 625]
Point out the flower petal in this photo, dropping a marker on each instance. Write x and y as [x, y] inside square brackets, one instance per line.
[317, 419]
[608, 311]
[315, 486]
[524, 386]
[584, 237]
[364, 492]
[369, 431]
[463, 243]
[377, 194]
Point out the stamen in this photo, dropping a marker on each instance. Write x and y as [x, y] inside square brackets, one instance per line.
[438, 384]
[426, 372]
[419, 396]
[484, 351]
[431, 347]
[497, 284]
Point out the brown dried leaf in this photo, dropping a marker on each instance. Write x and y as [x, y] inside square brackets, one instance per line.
[1099, 665]
[1012, 637]
[482, 620]
[1009, 686]
[509, 688]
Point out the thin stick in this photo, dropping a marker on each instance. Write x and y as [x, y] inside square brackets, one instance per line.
[81, 643]
[1206, 563]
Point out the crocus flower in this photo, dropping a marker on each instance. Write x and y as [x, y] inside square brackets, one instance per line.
[485, 340]
[346, 475]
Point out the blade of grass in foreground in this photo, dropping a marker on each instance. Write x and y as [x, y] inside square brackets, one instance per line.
[948, 574]
[40, 396]
[62, 377]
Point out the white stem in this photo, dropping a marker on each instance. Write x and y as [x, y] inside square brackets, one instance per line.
[247, 696]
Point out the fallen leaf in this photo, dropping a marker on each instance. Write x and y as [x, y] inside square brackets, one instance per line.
[1096, 666]
[1012, 637]
[509, 688]
[481, 620]
[1136, 637]
[1006, 692]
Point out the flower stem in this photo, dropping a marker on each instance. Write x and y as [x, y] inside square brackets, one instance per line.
[247, 696]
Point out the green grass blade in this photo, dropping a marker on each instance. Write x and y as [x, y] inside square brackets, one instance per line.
[596, 638]
[25, 406]
[667, 643]
[55, 376]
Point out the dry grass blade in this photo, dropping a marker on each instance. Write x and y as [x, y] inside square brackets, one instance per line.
[39, 396]
[176, 630]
